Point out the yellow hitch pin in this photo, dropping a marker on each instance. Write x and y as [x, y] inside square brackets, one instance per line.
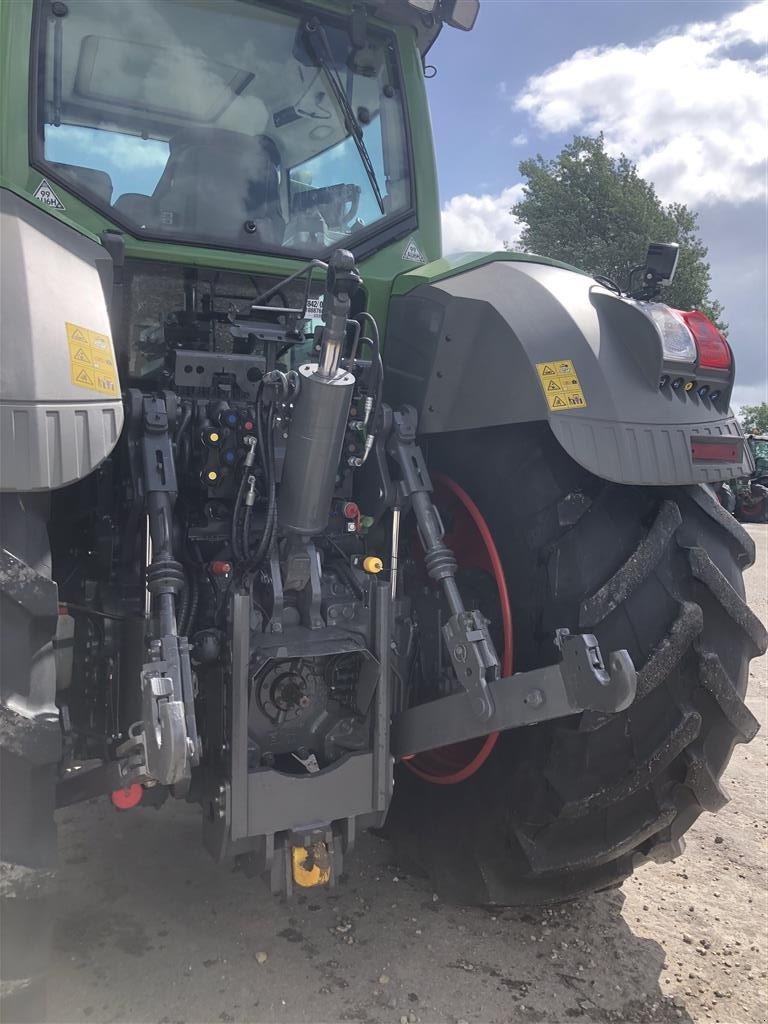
[373, 564]
[311, 866]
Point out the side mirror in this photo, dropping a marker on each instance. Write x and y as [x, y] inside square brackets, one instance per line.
[460, 13]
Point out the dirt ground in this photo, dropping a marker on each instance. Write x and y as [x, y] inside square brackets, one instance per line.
[151, 930]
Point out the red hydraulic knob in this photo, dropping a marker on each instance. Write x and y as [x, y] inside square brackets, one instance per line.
[125, 799]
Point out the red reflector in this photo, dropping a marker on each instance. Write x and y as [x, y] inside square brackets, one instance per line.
[716, 451]
[125, 799]
[711, 345]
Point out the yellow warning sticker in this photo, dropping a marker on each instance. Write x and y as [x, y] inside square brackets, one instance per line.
[85, 379]
[92, 360]
[561, 385]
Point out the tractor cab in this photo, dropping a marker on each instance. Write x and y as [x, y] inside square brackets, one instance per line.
[238, 125]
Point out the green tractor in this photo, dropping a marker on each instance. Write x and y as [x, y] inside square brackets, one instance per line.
[750, 495]
[312, 526]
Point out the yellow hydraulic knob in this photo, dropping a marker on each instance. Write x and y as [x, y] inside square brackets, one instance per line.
[373, 564]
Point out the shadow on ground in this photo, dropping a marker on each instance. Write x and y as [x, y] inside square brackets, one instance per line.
[150, 929]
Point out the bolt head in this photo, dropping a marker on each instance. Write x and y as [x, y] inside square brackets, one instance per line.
[534, 699]
[479, 707]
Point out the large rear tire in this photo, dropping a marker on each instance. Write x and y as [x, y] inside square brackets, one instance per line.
[30, 744]
[569, 807]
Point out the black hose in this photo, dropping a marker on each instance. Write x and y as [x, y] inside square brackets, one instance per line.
[93, 611]
[183, 607]
[182, 438]
[375, 384]
[267, 450]
[307, 268]
[376, 340]
[193, 604]
[245, 542]
[269, 529]
[235, 535]
[346, 572]
[185, 420]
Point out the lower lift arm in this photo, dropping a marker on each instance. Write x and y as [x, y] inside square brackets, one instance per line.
[581, 681]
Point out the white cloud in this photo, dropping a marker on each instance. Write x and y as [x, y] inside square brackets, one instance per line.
[519, 140]
[94, 147]
[480, 222]
[691, 107]
[748, 394]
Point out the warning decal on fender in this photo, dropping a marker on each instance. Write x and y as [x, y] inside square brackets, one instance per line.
[92, 360]
[561, 385]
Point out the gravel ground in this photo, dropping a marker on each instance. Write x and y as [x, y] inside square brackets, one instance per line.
[150, 929]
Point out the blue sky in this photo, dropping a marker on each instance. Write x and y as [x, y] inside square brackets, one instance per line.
[681, 87]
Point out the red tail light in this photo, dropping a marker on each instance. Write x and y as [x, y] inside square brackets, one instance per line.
[712, 347]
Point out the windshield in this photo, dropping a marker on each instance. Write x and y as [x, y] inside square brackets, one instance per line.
[224, 123]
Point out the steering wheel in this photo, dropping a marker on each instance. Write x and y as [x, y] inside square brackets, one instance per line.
[339, 204]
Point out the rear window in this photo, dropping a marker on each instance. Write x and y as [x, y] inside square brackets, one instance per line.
[233, 124]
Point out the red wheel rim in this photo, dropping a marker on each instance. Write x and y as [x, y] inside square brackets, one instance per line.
[472, 543]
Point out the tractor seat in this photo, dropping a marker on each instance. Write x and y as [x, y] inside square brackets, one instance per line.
[86, 180]
[220, 185]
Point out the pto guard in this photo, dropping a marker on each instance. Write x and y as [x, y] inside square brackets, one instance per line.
[478, 347]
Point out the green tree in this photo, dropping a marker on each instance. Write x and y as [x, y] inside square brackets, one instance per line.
[754, 418]
[596, 212]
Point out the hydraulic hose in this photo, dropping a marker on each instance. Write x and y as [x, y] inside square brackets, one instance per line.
[376, 376]
[239, 548]
[235, 537]
[266, 448]
[181, 612]
[193, 604]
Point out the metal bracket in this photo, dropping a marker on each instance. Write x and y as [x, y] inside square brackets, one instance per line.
[160, 745]
[579, 682]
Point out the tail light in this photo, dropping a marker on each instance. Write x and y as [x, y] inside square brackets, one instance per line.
[713, 349]
[677, 341]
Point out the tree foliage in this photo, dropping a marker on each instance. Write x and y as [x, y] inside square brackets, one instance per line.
[596, 212]
[754, 418]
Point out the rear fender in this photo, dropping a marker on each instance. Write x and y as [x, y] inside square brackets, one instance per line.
[61, 411]
[475, 349]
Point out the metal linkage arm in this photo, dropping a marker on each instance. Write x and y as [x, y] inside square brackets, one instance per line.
[580, 682]
[465, 634]
[164, 745]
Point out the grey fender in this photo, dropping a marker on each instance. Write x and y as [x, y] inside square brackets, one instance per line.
[469, 350]
[60, 405]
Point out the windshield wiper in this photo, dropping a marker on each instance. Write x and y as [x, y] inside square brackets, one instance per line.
[315, 30]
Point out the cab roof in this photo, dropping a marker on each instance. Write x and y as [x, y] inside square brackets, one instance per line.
[428, 24]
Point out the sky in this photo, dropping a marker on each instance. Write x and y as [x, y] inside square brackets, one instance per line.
[679, 87]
